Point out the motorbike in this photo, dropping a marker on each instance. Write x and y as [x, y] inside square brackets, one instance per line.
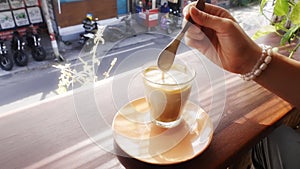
[165, 23]
[34, 43]
[177, 18]
[119, 31]
[111, 33]
[6, 62]
[171, 21]
[17, 46]
[87, 39]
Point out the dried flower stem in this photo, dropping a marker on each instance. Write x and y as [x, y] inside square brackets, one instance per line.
[87, 75]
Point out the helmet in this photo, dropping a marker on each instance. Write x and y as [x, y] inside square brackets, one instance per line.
[90, 16]
[140, 4]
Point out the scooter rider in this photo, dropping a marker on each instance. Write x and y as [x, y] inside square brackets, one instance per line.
[165, 8]
[89, 25]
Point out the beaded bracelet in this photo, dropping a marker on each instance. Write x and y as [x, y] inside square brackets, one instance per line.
[261, 64]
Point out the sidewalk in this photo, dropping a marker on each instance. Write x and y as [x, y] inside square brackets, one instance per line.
[248, 17]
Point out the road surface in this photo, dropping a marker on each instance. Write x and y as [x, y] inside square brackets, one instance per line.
[32, 86]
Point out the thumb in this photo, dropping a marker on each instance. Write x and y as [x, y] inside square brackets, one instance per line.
[209, 21]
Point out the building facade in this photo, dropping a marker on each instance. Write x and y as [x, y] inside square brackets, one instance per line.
[19, 14]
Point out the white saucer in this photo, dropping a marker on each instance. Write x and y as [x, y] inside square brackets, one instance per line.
[141, 139]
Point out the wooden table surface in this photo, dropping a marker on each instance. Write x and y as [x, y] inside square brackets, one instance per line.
[72, 130]
[250, 113]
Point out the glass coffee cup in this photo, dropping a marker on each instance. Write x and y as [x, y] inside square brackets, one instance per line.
[167, 93]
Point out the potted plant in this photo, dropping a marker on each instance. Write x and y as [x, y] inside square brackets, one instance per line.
[285, 22]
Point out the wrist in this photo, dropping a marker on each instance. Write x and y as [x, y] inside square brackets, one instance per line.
[261, 64]
[251, 58]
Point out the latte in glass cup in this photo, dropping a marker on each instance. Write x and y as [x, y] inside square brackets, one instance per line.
[167, 93]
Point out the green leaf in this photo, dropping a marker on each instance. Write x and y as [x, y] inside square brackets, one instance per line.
[281, 25]
[289, 34]
[264, 31]
[281, 7]
[262, 5]
[295, 14]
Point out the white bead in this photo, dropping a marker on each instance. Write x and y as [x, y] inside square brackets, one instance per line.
[262, 63]
[263, 66]
[269, 51]
[246, 78]
[275, 49]
[257, 72]
[268, 59]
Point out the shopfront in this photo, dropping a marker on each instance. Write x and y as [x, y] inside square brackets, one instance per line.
[137, 5]
[122, 7]
[65, 13]
[147, 13]
[18, 14]
[148, 10]
[70, 13]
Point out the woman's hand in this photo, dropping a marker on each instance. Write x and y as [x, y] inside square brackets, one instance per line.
[219, 37]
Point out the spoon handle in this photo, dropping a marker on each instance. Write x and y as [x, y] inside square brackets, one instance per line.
[200, 5]
[167, 56]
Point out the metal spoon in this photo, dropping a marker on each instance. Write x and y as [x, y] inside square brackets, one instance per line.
[167, 56]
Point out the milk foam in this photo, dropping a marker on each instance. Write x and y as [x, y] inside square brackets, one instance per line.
[172, 77]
